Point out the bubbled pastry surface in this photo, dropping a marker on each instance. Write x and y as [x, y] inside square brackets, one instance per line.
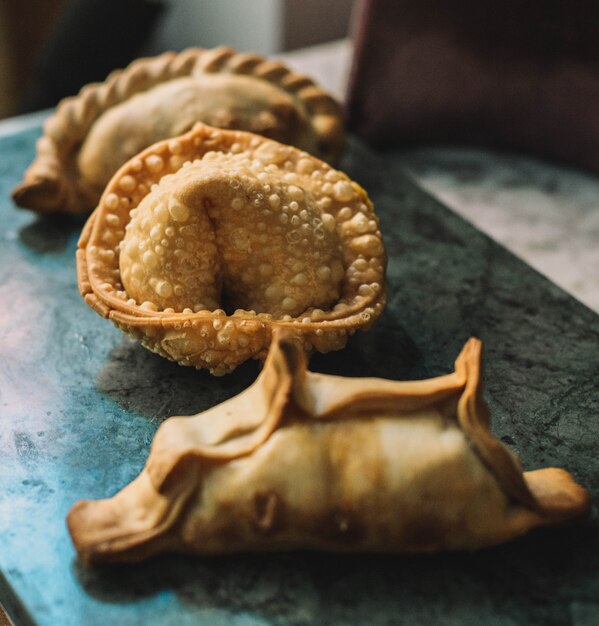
[223, 232]
[226, 224]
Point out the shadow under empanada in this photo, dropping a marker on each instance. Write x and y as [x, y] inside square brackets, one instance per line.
[149, 385]
[47, 235]
[310, 587]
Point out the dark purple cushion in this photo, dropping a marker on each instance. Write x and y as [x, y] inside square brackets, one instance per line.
[515, 74]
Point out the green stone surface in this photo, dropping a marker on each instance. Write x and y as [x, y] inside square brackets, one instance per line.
[79, 404]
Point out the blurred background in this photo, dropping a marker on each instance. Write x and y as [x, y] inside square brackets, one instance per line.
[50, 48]
[492, 107]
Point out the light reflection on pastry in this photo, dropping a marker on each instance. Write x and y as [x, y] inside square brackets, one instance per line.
[91, 135]
[222, 221]
[304, 460]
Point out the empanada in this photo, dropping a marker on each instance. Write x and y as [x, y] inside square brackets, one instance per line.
[202, 244]
[304, 460]
[91, 135]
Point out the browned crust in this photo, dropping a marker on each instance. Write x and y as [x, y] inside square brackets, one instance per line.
[473, 417]
[551, 493]
[49, 185]
[559, 497]
[91, 540]
[178, 441]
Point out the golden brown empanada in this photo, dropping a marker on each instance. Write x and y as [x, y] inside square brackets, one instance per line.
[304, 460]
[202, 244]
[91, 135]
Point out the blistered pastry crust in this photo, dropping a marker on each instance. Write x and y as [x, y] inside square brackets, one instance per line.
[57, 181]
[283, 203]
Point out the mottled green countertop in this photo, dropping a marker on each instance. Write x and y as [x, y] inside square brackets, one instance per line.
[79, 405]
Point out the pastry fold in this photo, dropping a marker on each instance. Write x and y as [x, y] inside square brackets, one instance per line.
[92, 134]
[305, 460]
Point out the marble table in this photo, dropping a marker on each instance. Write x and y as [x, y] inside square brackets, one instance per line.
[79, 405]
[546, 213]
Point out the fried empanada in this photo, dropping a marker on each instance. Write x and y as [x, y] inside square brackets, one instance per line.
[304, 460]
[91, 135]
[220, 221]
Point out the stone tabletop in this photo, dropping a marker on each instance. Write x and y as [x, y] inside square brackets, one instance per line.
[79, 405]
[546, 213]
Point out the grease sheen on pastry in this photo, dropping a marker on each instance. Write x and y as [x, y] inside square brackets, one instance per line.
[91, 135]
[202, 244]
[304, 460]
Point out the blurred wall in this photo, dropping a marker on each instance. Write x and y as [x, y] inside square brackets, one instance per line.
[51, 48]
[245, 24]
[264, 26]
[309, 22]
[24, 27]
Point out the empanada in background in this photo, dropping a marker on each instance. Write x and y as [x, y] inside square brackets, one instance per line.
[304, 460]
[92, 134]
